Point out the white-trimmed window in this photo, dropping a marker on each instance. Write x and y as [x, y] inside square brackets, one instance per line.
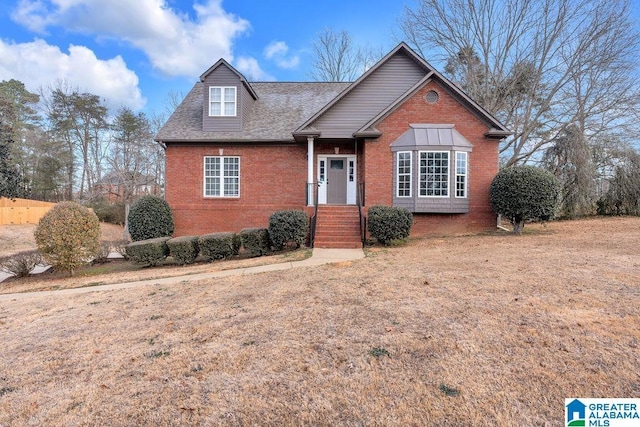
[403, 174]
[222, 101]
[322, 171]
[221, 176]
[461, 174]
[434, 174]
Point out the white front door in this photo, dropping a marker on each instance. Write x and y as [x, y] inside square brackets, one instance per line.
[337, 180]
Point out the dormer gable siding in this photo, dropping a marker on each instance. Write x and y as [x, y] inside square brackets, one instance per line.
[222, 76]
[370, 97]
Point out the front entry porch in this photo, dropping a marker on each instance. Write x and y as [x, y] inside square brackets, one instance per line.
[337, 179]
[332, 172]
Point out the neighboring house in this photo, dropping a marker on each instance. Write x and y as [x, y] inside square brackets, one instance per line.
[401, 135]
[112, 187]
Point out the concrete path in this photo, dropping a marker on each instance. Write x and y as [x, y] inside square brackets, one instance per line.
[319, 257]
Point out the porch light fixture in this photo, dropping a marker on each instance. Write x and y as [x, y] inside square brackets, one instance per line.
[336, 150]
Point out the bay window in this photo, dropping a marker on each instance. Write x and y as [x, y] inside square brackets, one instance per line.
[438, 180]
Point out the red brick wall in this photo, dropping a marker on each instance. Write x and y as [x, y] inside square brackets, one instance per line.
[271, 178]
[483, 162]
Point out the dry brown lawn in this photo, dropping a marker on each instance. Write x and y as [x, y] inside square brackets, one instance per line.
[489, 330]
[16, 238]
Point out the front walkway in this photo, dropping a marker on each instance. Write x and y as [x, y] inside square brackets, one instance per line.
[319, 257]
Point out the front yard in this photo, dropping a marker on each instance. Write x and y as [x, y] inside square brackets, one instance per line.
[490, 330]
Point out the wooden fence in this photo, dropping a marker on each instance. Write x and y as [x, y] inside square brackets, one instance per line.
[22, 211]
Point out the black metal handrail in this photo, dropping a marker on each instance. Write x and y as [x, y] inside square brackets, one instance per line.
[363, 219]
[313, 187]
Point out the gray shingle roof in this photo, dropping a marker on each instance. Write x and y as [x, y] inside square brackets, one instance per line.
[278, 111]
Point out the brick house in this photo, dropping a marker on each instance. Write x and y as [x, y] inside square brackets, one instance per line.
[401, 135]
[113, 186]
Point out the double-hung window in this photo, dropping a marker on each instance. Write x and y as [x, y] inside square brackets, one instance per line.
[461, 174]
[434, 174]
[221, 176]
[403, 174]
[222, 101]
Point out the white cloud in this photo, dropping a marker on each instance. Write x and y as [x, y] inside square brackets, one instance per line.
[175, 43]
[277, 51]
[250, 68]
[38, 64]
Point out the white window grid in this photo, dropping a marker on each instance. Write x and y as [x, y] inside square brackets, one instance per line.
[222, 181]
[403, 174]
[434, 174]
[222, 101]
[461, 174]
[322, 171]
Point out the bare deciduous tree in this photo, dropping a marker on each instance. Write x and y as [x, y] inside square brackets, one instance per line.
[337, 59]
[538, 65]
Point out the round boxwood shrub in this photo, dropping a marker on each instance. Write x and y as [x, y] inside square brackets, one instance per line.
[150, 217]
[288, 226]
[387, 223]
[68, 236]
[524, 193]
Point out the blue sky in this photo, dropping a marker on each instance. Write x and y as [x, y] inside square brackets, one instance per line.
[134, 52]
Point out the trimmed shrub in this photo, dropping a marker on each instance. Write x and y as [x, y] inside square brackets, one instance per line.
[184, 249]
[112, 213]
[68, 236]
[387, 223]
[21, 263]
[219, 245]
[524, 193]
[148, 252]
[255, 241]
[150, 217]
[288, 227]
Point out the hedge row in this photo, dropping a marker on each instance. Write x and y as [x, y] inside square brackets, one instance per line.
[285, 227]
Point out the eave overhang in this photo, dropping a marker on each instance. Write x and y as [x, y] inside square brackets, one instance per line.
[494, 133]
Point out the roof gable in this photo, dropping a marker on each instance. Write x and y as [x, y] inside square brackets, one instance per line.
[222, 63]
[378, 87]
[341, 105]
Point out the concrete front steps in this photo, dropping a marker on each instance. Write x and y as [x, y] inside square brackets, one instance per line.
[337, 226]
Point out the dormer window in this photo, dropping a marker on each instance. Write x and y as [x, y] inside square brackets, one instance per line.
[222, 101]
